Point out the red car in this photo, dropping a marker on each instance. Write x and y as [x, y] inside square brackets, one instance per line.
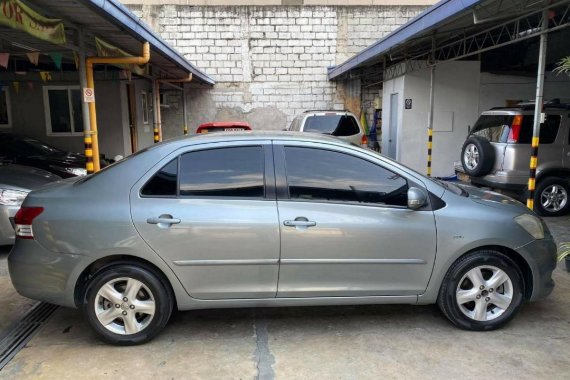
[225, 126]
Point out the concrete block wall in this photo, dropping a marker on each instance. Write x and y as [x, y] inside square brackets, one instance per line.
[269, 62]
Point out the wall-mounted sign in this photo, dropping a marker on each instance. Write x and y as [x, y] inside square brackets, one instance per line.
[17, 15]
[88, 95]
[408, 104]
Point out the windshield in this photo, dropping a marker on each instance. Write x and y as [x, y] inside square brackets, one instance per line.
[40, 148]
[336, 125]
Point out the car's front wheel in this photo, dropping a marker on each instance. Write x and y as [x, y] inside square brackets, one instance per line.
[481, 291]
[127, 304]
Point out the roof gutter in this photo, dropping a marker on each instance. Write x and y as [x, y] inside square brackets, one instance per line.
[430, 18]
[122, 16]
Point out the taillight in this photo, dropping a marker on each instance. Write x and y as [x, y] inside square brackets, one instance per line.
[364, 141]
[515, 129]
[23, 221]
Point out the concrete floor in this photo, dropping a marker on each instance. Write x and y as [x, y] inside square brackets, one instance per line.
[365, 342]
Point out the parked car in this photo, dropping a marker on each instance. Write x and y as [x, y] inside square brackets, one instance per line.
[273, 219]
[16, 181]
[498, 149]
[341, 124]
[27, 151]
[223, 126]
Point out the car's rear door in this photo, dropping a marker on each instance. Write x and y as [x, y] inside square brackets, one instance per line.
[345, 227]
[211, 214]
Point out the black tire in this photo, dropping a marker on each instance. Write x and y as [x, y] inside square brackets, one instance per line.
[447, 300]
[486, 156]
[160, 291]
[545, 185]
[567, 263]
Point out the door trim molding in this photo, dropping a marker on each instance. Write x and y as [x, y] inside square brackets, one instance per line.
[353, 261]
[226, 262]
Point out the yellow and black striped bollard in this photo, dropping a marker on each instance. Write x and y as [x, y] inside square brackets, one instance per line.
[532, 177]
[88, 140]
[156, 135]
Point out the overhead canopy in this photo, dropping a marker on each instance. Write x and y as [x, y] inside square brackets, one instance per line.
[454, 29]
[107, 20]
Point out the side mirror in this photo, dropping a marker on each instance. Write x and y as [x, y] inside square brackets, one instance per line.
[416, 198]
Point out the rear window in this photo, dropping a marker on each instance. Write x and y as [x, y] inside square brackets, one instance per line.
[336, 125]
[494, 128]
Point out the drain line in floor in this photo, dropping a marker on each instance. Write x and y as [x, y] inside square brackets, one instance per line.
[22, 331]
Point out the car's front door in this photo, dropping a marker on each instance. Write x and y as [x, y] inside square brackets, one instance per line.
[345, 227]
[211, 214]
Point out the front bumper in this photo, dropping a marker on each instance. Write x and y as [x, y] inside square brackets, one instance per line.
[43, 275]
[541, 256]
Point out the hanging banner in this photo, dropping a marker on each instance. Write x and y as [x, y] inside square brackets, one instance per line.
[56, 58]
[4, 57]
[76, 59]
[17, 15]
[34, 58]
[45, 75]
[16, 87]
[105, 49]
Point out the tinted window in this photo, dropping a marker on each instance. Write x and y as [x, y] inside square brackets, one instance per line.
[494, 128]
[336, 125]
[228, 172]
[163, 183]
[548, 130]
[321, 175]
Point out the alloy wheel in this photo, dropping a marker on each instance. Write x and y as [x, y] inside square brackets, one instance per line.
[125, 306]
[554, 198]
[471, 156]
[484, 293]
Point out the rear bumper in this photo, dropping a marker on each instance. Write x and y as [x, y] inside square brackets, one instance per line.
[498, 180]
[541, 256]
[6, 229]
[43, 275]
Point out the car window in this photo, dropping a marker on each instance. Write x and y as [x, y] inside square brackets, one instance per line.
[336, 125]
[548, 129]
[227, 172]
[323, 175]
[164, 182]
[494, 128]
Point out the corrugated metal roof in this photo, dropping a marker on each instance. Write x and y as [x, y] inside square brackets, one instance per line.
[114, 23]
[423, 24]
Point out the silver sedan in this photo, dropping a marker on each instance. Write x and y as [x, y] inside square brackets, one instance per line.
[273, 219]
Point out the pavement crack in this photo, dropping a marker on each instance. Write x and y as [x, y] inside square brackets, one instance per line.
[263, 357]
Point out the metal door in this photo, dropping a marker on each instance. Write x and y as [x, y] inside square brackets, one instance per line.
[220, 246]
[331, 248]
[393, 133]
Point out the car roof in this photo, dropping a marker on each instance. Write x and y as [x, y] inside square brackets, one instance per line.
[257, 135]
[223, 124]
[336, 112]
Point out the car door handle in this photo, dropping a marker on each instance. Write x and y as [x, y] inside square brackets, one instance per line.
[299, 223]
[162, 220]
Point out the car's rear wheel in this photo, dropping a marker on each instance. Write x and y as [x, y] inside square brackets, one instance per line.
[477, 156]
[481, 291]
[551, 197]
[127, 304]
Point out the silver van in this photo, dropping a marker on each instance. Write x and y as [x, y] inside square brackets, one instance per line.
[497, 154]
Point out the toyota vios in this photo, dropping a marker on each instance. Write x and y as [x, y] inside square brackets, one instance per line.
[277, 219]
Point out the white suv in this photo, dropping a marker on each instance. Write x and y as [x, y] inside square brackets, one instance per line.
[341, 124]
